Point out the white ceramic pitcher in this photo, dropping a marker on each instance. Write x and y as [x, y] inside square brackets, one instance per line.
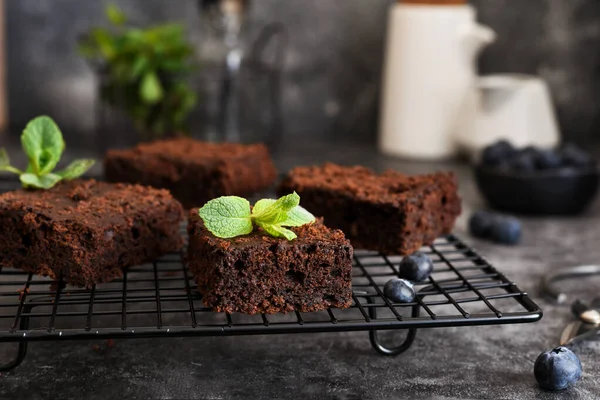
[429, 70]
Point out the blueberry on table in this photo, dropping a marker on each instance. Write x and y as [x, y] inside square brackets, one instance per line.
[481, 224]
[506, 230]
[557, 369]
[399, 291]
[416, 267]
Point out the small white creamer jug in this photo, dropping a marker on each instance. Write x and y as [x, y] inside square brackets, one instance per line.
[429, 72]
[512, 107]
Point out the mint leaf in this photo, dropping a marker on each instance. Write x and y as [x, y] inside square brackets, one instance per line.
[43, 143]
[298, 216]
[278, 231]
[4, 159]
[115, 15]
[276, 212]
[76, 169]
[5, 163]
[227, 216]
[151, 90]
[262, 205]
[40, 182]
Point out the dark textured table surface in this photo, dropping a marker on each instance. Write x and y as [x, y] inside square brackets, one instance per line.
[493, 362]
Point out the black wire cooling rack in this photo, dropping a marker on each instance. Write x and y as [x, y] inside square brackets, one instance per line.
[160, 299]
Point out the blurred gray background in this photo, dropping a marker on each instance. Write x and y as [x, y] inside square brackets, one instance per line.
[333, 66]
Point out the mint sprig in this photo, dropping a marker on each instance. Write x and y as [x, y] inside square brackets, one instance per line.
[230, 216]
[44, 145]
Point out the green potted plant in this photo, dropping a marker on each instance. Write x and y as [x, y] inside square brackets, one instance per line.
[143, 73]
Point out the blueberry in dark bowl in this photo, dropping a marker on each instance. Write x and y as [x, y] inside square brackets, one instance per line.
[557, 369]
[497, 153]
[524, 161]
[416, 267]
[573, 156]
[537, 181]
[399, 291]
[547, 159]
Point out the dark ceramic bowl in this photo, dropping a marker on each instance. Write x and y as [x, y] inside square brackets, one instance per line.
[564, 191]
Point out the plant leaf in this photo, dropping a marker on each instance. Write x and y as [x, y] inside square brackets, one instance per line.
[227, 216]
[151, 91]
[5, 163]
[261, 205]
[298, 216]
[39, 182]
[4, 159]
[115, 15]
[104, 41]
[76, 169]
[43, 143]
[276, 212]
[138, 67]
[279, 231]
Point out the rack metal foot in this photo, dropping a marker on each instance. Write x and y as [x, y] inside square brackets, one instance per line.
[396, 350]
[392, 351]
[22, 349]
[21, 353]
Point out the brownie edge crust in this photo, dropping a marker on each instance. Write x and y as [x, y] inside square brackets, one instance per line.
[258, 273]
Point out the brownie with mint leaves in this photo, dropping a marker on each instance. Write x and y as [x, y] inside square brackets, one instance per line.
[391, 212]
[258, 273]
[194, 171]
[85, 232]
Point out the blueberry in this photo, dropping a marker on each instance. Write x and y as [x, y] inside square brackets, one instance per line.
[399, 291]
[547, 159]
[573, 156]
[416, 267]
[481, 224]
[497, 152]
[506, 230]
[524, 161]
[557, 369]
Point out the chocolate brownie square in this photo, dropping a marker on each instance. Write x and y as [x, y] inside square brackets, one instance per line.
[85, 232]
[391, 212]
[258, 273]
[193, 171]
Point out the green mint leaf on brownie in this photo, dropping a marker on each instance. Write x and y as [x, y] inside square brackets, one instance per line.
[227, 216]
[76, 169]
[297, 216]
[278, 231]
[43, 143]
[275, 212]
[231, 216]
[4, 159]
[5, 163]
[39, 182]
